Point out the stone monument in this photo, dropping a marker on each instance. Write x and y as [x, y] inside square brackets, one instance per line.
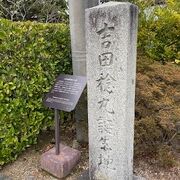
[111, 33]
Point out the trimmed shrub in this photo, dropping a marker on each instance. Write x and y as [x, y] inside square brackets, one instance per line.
[159, 26]
[31, 56]
[157, 110]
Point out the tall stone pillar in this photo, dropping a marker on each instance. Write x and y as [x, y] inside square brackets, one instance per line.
[78, 48]
[111, 33]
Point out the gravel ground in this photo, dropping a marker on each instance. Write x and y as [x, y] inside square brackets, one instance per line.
[27, 166]
[151, 171]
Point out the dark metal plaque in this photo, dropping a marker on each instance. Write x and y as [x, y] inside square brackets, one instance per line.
[65, 92]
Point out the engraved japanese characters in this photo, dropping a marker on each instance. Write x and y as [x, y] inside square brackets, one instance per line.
[111, 57]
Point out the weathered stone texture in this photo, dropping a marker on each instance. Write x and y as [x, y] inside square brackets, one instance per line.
[60, 165]
[111, 31]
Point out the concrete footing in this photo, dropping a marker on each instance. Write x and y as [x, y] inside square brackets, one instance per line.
[62, 164]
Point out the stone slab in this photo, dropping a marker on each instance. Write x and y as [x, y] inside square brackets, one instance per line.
[60, 165]
[85, 176]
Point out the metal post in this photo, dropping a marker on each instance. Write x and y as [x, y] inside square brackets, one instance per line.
[57, 130]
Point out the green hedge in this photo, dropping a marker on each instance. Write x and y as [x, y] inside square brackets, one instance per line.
[31, 56]
[159, 26]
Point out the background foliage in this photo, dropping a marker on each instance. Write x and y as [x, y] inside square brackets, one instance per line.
[39, 10]
[31, 55]
[159, 36]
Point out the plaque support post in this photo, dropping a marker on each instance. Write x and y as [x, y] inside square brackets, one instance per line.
[61, 159]
[57, 130]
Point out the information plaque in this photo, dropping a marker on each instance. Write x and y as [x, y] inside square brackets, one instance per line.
[65, 92]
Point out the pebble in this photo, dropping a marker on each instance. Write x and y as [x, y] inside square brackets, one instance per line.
[3, 177]
[31, 178]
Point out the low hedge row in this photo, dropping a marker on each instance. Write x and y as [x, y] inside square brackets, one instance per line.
[158, 35]
[31, 55]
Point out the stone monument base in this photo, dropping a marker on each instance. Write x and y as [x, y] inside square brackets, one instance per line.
[62, 164]
[85, 176]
